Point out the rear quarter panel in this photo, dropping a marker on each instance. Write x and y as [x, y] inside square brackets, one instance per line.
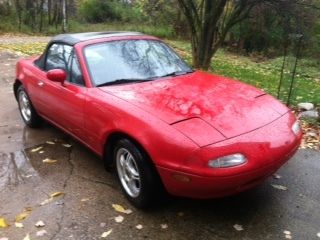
[28, 74]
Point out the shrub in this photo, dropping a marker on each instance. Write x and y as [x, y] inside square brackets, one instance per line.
[97, 11]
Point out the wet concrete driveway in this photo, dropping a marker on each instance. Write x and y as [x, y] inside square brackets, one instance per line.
[85, 209]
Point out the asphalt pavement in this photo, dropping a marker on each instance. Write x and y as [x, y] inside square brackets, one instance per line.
[72, 194]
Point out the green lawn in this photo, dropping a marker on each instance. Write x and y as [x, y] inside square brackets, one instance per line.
[264, 75]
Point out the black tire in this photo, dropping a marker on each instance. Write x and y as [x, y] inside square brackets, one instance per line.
[33, 120]
[151, 189]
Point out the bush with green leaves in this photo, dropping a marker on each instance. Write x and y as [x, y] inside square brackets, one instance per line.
[97, 11]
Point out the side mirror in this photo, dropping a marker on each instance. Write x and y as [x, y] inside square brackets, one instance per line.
[57, 75]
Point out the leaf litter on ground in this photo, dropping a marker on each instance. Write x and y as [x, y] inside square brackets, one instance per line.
[18, 225]
[106, 234]
[119, 219]
[164, 226]
[238, 227]
[27, 237]
[139, 227]
[121, 209]
[51, 198]
[276, 176]
[279, 187]
[40, 224]
[67, 145]
[3, 223]
[48, 160]
[26, 212]
[41, 233]
[36, 149]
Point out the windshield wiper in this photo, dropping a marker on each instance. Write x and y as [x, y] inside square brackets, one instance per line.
[176, 73]
[121, 81]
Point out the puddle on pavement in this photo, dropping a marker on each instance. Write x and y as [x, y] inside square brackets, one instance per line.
[19, 166]
[15, 168]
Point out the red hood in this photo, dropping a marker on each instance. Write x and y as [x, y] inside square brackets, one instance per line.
[231, 107]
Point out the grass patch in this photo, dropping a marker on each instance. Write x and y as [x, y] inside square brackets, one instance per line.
[160, 31]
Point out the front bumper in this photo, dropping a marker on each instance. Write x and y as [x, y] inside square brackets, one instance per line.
[266, 149]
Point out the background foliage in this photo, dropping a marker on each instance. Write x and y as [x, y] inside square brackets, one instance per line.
[251, 52]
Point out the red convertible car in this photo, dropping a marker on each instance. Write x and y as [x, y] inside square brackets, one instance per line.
[166, 128]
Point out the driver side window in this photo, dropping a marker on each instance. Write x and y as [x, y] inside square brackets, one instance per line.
[58, 57]
[61, 56]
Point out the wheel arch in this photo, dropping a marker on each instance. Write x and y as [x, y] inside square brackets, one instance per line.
[16, 85]
[112, 139]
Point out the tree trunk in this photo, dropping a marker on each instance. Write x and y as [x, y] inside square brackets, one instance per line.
[41, 15]
[64, 16]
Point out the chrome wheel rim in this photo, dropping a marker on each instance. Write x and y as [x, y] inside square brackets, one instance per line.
[24, 105]
[128, 172]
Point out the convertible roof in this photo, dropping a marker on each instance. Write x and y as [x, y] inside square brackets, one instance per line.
[75, 38]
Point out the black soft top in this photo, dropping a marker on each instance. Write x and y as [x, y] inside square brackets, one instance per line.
[74, 38]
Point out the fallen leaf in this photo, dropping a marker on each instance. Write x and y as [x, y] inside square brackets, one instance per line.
[238, 227]
[41, 233]
[3, 223]
[276, 176]
[56, 194]
[121, 209]
[26, 212]
[119, 219]
[52, 196]
[164, 226]
[40, 224]
[36, 149]
[279, 187]
[46, 201]
[61, 202]
[67, 145]
[27, 237]
[180, 214]
[139, 226]
[50, 142]
[48, 160]
[106, 234]
[18, 225]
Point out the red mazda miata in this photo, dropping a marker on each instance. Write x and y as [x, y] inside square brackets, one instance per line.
[167, 128]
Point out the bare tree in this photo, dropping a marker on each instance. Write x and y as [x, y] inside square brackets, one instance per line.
[209, 22]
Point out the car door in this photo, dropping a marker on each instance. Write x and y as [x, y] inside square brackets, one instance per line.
[63, 103]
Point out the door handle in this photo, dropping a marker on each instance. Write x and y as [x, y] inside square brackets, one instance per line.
[40, 83]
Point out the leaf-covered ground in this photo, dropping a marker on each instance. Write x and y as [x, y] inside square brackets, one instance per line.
[27, 49]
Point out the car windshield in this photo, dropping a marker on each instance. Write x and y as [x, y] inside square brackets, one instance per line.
[128, 61]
